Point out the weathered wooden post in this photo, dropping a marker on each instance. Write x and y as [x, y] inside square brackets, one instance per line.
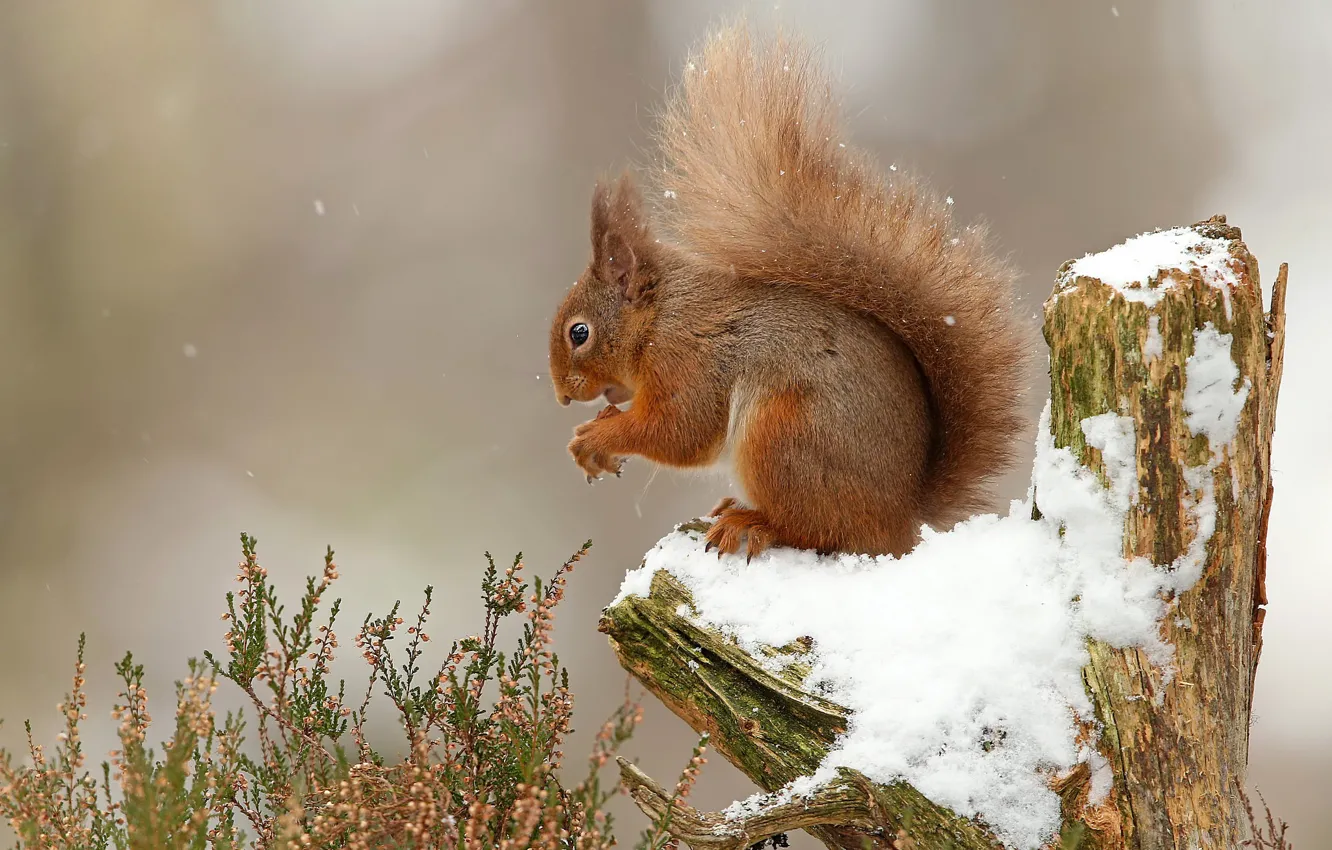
[1179, 743]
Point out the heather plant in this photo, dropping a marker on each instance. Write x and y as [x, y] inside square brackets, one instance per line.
[1270, 833]
[482, 756]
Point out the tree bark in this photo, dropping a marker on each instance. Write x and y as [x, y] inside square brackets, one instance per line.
[1176, 740]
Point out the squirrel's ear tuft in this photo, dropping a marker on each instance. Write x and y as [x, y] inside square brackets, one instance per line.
[620, 242]
[626, 204]
[601, 215]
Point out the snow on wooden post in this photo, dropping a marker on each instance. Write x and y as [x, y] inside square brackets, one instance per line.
[1169, 330]
[1077, 673]
[767, 724]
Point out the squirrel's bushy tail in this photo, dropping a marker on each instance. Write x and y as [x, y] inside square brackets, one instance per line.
[754, 177]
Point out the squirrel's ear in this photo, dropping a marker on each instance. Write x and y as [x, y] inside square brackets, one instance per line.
[622, 268]
[619, 239]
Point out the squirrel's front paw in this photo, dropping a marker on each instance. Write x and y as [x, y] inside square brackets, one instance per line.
[589, 449]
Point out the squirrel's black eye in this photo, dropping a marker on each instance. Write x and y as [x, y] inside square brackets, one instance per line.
[578, 334]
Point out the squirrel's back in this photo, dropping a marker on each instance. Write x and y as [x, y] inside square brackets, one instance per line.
[754, 179]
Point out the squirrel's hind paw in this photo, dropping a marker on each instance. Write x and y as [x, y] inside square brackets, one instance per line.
[737, 526]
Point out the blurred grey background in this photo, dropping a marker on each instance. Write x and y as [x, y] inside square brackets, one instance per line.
[286, 268]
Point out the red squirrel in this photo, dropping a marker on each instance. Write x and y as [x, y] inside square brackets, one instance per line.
[824, 332]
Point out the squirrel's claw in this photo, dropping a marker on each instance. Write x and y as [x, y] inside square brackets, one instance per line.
[725, 537]
[757, 541]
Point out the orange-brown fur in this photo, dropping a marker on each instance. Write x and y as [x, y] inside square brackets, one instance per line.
[825, 332]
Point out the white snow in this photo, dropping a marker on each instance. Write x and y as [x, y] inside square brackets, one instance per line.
[1133, 266]
[1212, 407]
[802, 787]
[1187, 568]
[636, 583]
[1211, 399]
[1102, 778]
[1154, 346]
[961, 661]
[1112, 435]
